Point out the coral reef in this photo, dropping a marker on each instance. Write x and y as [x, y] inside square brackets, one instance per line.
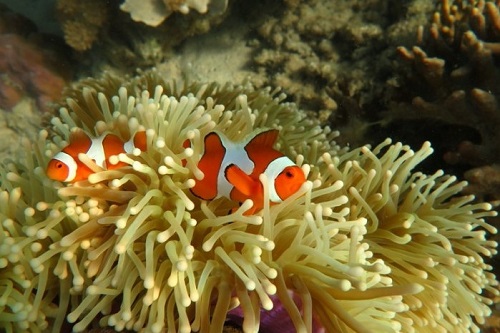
[30, 63]
[154, 12]
[135, 44]
[23, 120]
[365, 245]
[454, 77]
[82, 21]
[453, 73]
[335, 56]
[107, 39]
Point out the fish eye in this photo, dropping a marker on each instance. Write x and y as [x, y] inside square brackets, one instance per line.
[59, 165]
[289, 174]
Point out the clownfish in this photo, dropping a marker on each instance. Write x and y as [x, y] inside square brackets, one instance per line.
[232, 170]
[65, 166]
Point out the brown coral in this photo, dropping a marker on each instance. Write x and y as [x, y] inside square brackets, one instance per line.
[454, 77]
[334, 56]
[82, 21]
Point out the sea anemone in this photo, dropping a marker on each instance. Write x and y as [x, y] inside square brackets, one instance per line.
[364, 245]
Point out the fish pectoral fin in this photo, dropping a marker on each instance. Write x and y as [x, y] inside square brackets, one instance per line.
[240, 180]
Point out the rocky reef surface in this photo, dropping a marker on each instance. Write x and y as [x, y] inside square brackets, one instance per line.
[415, 71]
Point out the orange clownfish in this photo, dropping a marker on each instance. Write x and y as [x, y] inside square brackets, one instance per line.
[232, 170]
[65, 166]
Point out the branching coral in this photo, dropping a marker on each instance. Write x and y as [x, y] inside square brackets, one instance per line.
[454, 78]
[365, 244]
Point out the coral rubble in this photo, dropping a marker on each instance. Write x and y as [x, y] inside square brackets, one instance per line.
[365, 245]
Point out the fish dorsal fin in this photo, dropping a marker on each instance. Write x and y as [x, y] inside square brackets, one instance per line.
[77, 134]
[140, 140]
[213, 144]
[79, 142]
[240, 180]
[266, 138]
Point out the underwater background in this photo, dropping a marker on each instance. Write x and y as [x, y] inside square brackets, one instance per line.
[413, 71]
